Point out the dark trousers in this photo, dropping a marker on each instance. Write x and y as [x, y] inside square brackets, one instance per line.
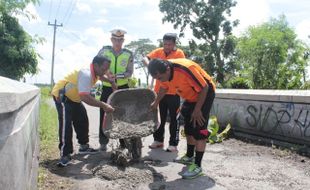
[169, 103]
[187, 110]
[105, 93]
[69, 113]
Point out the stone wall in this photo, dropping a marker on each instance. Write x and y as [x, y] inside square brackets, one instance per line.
[19, 139]
[282, 115]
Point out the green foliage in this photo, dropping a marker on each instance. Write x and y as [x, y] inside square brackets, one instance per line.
[48, 132]
[140, 48]
[306, 86]
[17, 55]
[239, 83]
[213, 128]
[209, 24]
[271, 57]
[48, 129]
[17, 7]
[132, 83]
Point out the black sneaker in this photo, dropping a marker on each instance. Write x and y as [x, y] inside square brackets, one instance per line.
[85, 149]
[64, 161]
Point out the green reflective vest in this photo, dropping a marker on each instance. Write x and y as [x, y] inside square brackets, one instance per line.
[118, 63]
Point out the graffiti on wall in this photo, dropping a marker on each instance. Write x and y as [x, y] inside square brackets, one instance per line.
[284, 120]
[274, 118]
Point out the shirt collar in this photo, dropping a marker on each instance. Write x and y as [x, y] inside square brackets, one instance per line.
[92, 72]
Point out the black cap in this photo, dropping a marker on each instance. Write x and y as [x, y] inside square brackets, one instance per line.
[170, 36]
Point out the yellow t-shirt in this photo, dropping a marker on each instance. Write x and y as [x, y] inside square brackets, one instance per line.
[76, 83]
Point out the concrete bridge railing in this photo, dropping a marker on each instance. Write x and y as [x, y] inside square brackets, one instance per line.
[282, 115]
[19, 139]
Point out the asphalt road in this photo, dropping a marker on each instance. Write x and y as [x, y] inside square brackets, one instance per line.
[233, 164]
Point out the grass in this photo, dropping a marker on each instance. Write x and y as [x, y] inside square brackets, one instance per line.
[48, 129]
[48, 132]
[49, 153]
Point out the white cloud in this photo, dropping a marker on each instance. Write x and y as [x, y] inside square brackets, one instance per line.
[80, 40]
[250, 13]
[83, 8]
[123, 3]
[101, 21]
[32, 11]
[303, 31]
[97, 36]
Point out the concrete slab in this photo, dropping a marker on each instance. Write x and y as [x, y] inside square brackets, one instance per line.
[14, 94]
[297, 96]
[19, 140]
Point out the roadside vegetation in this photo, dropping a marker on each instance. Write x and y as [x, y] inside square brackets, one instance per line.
[49, 152]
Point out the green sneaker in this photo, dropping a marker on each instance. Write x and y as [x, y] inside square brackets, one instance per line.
[184, 160]
[192, 172]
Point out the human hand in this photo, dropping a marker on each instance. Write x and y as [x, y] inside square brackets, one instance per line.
[108, 108]
[197, 118]
[153, 106]
[114, 86]
[111, 78]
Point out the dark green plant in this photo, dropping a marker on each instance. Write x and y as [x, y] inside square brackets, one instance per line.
[239, 83]
[17, 54]
[271, 57]
[209, 23]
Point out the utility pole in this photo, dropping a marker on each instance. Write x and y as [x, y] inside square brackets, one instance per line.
[53, 53]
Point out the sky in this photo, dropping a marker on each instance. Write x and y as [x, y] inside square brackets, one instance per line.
[86, 26]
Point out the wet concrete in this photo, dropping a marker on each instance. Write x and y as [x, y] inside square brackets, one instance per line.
[122, 129]
[132, 116]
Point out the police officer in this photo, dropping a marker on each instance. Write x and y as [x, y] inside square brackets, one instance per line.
[121, 69]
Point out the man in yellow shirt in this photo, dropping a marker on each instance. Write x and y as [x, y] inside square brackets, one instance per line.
[196, 87]
[68, 94]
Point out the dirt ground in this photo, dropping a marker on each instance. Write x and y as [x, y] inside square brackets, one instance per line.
[232, 164]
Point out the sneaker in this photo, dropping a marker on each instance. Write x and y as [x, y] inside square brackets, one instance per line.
[85, 149]
[156, 144]
[192, 172]
[184, 160]
[103, 147]
[172, 149]
[64, 161]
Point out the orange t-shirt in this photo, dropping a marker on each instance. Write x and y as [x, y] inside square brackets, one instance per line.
[188, 78]
[160, 54]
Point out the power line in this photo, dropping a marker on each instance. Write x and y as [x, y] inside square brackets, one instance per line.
[55, 25]
[73, 6]
[69, 11]
[60, 2]
[50, 9]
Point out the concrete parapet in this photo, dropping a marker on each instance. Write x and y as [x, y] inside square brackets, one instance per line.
[19, 142]
[277, 114]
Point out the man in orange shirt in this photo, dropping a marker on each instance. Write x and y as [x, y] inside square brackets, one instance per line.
[171, 101]
[195, 86]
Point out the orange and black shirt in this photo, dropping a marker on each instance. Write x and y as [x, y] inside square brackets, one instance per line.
[188, 78]
[160, 54]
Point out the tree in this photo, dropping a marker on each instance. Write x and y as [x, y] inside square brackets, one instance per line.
[271, 57]
[17, 55]
[209, 24]
[140, 48]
